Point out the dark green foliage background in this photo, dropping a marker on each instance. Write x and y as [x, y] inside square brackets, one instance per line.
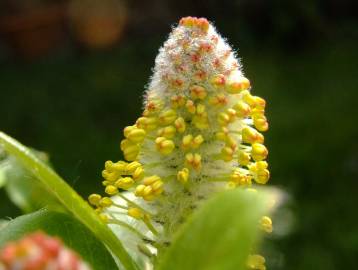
[302, 58]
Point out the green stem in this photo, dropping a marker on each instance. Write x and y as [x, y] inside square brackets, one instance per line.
[68, 197]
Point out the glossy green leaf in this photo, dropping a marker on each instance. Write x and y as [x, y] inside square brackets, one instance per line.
[75, 235]
[219, 236]
[67, 197]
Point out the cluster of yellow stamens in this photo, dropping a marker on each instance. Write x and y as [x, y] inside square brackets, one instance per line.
[200, 125]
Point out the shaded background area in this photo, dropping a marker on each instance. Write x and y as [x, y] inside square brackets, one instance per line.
[72, 76]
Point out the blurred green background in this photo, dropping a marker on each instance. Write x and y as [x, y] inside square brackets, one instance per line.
[69, 90]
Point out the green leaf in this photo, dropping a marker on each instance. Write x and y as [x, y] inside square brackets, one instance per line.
[75, 235]
[219, 235]
[68, 198]
[24, 189]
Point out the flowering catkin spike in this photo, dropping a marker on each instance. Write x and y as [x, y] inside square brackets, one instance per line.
[39, 251]
[200, 132]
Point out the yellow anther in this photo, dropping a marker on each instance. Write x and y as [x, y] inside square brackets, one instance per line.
[139, 190]
[261, 165]
[177, 101]
[111, 190]
[94, 199]
[243, 158]
[193, 160]
[104, 217]
[124, 183]
[136, 135]
[223, 134]
[250, 135]
[237, 85]
[186, 141]
[218, 81]
[231, 142]
[201, 110]
[227, 153]
[259, 152]
[260, 123]
[266, 224]
[131, 167]
[131, 152]
[262, 176]
[105, 202]
[223, 119]
[218, 100]
[138, 173]
[197, 92]
[150, 180]
[135, 213]
[110, 176]
[197, 141]
[180, 124]
[167, 132]
[190, 106]
[152, 106]
[242, 109]
[164, 146]
[241, 179]
[147, 123]
[106, 183]
[167, 117]
[231, 185]
[183, 175]
[147, 191]
[157, 185]
[119, 167]
[254, 101]
[201, 121]
[127, 130]
[256, 262]
[231, 113]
